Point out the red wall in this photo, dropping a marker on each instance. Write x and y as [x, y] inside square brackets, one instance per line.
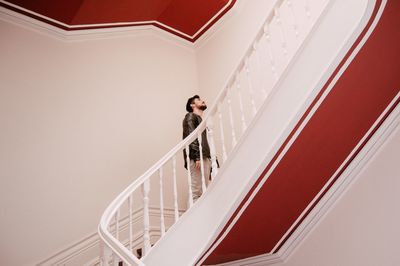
[359, 97]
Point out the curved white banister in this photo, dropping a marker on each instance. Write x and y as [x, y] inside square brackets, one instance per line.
[114, 250]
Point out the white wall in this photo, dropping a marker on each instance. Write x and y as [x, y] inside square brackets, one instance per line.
[362, 228]
[79, 121]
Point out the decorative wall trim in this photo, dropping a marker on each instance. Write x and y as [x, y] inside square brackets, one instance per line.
[90, 34]
[66, 29]
[115, 32]
[93, 262]
[72, 252]
[203, 38]
[260, 260]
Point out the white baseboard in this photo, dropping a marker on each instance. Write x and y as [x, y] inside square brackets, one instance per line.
[260, 260]
[75, 252]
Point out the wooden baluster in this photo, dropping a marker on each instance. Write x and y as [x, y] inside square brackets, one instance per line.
[210, 137]
[146, 217]
[162, 222]
[105, 255]
[116, 259]
[189, 177]
[176, 210]
[260, 70]
[307, 9]
[224, 156]
[283, 36]
[295, 28]
[269, 51]
[203, 179]
[117, 214]
[229, 101]
[130, 207]
[242, 118]
[250, 84]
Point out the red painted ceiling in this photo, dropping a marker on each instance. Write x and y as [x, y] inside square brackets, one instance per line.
[181, 17]
[360, 96]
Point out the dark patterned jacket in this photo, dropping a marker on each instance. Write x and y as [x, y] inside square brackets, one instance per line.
[189, 124]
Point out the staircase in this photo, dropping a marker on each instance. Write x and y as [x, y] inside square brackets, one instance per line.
[264, 106]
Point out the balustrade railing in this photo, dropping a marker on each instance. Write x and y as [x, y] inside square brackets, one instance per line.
[122, 234]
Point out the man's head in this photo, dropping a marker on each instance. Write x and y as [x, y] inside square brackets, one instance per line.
[195, 103]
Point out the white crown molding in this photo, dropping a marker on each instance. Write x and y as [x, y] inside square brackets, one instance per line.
[128, 29]
[120, 23]
[213, 18]
[90, 34]
[92, 241]
[51, 31]
[203, 39]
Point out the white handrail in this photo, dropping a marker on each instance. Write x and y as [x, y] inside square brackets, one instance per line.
[111, 244]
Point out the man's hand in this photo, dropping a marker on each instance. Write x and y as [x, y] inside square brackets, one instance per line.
[198, 165]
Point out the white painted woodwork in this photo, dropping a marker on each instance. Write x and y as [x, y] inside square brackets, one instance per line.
[176, 209]
[250, 86]
[294, 18]
[146, 217]
[221, 130]
[282, 30]
[162, 222]
[130, 206]
[115, 261]
[203, 178]
[117, 214]
[240, 99]
[115, 258]
[231, 120]
[213, 154]
[189, 177]
[259, 69]
[268, 49]
[307, 8]
[105, 254]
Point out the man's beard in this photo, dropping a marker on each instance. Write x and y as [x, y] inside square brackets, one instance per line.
[203, 107]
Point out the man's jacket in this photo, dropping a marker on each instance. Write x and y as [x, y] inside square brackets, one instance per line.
[189, 124]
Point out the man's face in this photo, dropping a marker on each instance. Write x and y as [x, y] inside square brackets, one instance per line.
[199, 104]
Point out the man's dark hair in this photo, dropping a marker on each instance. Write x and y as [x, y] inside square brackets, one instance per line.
[191, 101]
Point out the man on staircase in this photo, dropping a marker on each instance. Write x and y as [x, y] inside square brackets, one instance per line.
[195, 108]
